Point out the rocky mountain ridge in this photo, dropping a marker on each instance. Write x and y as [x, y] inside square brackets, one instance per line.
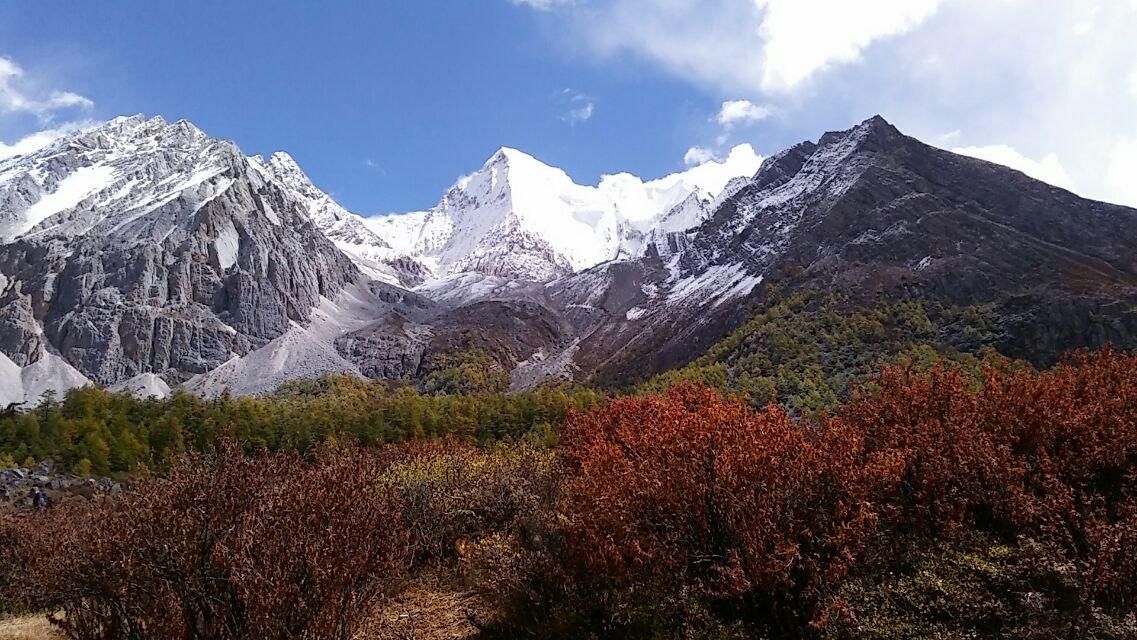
[147, 255]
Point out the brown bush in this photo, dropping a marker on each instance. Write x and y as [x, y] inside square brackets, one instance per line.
[684, 500]
[225, 546]
[453, 495]
[667, 515]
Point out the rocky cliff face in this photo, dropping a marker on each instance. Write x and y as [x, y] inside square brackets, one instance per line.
[147, 247]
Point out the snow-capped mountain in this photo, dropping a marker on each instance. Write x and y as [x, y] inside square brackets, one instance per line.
[146, 256]
[518, 218]
[872, 217]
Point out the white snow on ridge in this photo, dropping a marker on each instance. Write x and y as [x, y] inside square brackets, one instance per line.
[72, 190]
[130, 177]
[717, 284]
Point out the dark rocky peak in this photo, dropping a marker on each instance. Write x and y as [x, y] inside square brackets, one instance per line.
[783, 165]
[874, 134]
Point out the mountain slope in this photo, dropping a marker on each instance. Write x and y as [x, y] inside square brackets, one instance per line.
[371, 253]
[146, 255]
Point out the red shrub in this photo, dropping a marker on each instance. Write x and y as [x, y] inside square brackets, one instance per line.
[955, 439]
[223, 547]
[1050, 457]
[691, 488]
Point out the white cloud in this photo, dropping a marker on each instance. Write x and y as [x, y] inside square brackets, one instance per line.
[1133, 82]
[579, 114]
[802, 37]
[39, 139]
[1048, 169]
[542, 5]
[743, 112]
[1121, 173]
[740, 46]
[1087, 23]
[19, 95]
[732, 113]
[579, 107]
[696, 156]
[713, 43]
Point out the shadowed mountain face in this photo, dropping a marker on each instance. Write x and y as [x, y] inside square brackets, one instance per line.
[877, 217]
[185, 258]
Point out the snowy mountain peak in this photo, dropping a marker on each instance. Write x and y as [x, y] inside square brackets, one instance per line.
[351, 234]
[140, 246]
[507, 154]
[520, 218]
[285, 166]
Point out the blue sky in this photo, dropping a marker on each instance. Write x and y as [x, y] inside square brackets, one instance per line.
[384, 104]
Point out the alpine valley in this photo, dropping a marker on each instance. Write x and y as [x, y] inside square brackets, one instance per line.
[146, 255]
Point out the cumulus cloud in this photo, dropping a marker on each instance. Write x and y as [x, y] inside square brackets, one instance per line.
[1064, 85]
[713, 43]
[740, 45]
[1048, 169]
[734, 112]
[20, 95]
[696, 156]
[802, 37]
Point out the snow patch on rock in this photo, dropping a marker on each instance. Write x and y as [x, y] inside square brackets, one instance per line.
[228, 243]
[717, 284]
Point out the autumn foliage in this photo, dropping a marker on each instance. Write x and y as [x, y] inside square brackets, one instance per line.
[691, 488]
[1050, 457]
[997, 496]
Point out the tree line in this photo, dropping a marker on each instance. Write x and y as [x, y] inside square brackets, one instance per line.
[95, 431]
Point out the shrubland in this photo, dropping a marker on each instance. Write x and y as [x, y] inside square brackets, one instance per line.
[940, 500]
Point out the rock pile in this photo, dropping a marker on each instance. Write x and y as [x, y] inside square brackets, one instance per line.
[19, 485]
